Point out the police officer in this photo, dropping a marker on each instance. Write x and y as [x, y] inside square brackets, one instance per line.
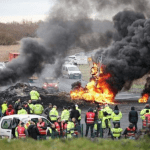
[21, 111]
[116, 116]
[34, 95]
[65, 114]
[53, 114]
[79, 119]
[20, 131]
[4, 107]
[38, 108]
[116, 132]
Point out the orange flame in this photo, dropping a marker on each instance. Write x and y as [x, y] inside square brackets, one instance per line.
[97, 90]
[144, 98]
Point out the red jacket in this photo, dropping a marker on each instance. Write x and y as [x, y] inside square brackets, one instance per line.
[130, 132]
[90, 117]
[21, 132]
[41, 130]
[147, 116]
[10, 112]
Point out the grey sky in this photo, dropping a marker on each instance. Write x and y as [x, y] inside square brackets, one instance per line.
[16, 8]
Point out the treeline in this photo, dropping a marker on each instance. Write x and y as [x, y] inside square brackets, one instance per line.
[10, 33]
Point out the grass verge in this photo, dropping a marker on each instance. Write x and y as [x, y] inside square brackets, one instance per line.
[75, 144]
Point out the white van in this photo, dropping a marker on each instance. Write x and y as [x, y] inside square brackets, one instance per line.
[71, 71]
[9, 123]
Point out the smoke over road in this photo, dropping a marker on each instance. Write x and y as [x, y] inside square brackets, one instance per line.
[64, 29]
[128, 58]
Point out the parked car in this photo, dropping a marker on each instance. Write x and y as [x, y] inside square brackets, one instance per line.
[51, 85]
[71, 72]
[9, 123]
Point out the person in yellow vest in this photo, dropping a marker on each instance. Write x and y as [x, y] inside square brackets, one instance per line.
[34, 95]
[4, 107]
[70, 128]
[53, 114]
[22, 111]
[106, 123]
[38, 108]
[116, 116]
[116, 132]
[30, 106]
[143, 111]
[108, 110]
[79, 119]
[28, 124]
[98, 124]
[65, 114]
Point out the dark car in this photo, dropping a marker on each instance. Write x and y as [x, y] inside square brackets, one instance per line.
[51, 85]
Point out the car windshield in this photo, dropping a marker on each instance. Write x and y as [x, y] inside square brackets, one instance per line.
[73, 69]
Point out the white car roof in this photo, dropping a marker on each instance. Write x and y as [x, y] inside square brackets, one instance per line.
[28, 116]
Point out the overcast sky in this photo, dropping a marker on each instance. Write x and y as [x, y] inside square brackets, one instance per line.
[17, 10]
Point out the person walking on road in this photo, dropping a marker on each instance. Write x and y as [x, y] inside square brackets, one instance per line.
[89, 120]
[133, 117]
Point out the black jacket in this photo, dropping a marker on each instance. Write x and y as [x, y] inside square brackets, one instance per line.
[47, 110]
[33, 131]
[133, 116]
[74, 113]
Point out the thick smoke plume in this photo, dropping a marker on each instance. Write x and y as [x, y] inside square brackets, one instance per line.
[67, 24]
[128, 59]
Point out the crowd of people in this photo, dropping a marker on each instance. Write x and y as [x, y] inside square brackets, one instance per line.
[68, 124]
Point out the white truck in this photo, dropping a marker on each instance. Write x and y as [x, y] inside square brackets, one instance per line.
[9, 123]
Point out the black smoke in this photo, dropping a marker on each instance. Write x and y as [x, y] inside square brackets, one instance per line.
[68, 22]
[128, 59]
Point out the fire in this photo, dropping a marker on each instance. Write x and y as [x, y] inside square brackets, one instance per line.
[97, 90]
[144, 98]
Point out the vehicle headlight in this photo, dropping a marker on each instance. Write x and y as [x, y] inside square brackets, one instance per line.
[56, 85]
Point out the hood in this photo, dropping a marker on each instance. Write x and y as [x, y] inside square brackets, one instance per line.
[116, 107]
[90, 110]
[73, 107]
[131, 126]
[116, 112]
[132, 108]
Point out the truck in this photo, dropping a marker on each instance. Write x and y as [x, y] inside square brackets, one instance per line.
[15, 55]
